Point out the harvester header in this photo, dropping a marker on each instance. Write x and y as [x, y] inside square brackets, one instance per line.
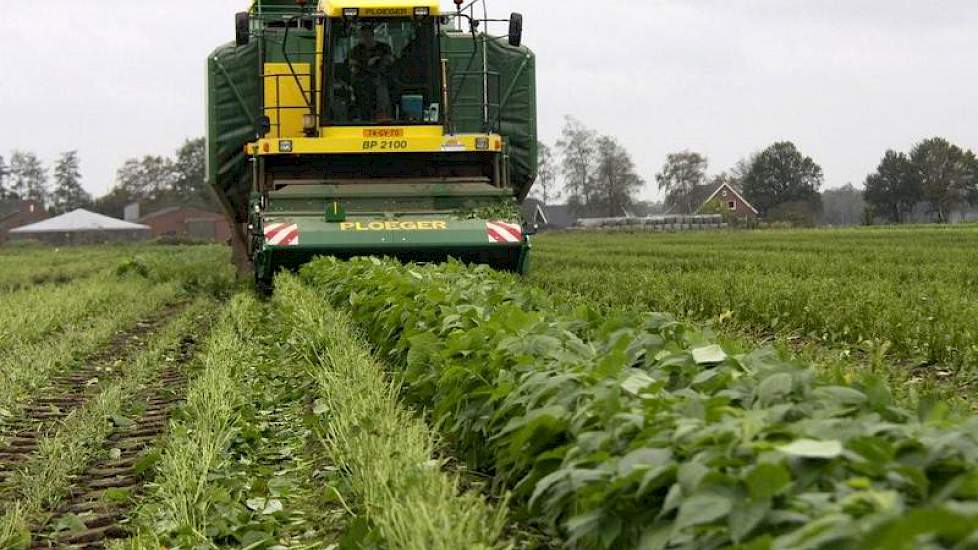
[372, 127]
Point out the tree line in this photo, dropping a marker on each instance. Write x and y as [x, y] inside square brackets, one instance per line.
[157, 182]
[936, 176]
[153, 181]
[595, 175]
[25, 177]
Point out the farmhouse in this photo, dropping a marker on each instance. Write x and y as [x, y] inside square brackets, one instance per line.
[727, 199]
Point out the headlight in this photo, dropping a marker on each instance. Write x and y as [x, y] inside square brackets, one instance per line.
[285, 146]
[482, 143]
[422, 12]
[351, 13]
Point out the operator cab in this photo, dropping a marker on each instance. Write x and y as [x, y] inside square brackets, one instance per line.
[382, 71]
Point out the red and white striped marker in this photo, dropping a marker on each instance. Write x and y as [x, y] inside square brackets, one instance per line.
[282, 234]
[503, 232]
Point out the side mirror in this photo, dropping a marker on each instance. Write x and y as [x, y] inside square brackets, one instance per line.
[242, 28]
[516, 30]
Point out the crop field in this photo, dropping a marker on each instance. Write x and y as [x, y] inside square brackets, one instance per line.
[149, 400]
[904, 300]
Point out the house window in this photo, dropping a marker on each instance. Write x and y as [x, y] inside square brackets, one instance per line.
[732, 205]
[725, 193]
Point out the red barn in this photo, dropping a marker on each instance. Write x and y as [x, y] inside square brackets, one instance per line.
[16, 213]
[188, 223]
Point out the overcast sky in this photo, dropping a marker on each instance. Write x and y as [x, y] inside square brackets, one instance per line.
[843, 79]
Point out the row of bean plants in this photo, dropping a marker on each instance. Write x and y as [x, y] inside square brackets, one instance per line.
[635, 430]
[913, 289]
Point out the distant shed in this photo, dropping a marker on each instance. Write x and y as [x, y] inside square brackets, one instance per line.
[188, 222]
[81, 227]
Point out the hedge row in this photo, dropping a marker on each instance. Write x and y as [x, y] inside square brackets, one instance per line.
[637, 431]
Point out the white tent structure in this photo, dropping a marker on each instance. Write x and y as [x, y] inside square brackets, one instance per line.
[81, 227]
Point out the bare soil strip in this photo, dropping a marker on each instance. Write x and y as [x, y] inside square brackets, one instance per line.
[71, 391]
[97, 509]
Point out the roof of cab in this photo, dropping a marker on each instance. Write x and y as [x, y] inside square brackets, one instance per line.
[334, 8]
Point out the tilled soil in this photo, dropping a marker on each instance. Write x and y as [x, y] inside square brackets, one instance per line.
[102, 496]
[70, 391]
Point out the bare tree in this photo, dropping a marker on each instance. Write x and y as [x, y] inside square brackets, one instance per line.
[577, 149]
[680, 177]
[546, 189]
[615, 182]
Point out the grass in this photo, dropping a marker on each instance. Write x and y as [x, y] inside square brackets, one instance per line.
[902, 298]
[403, 494]
[26, 364]
[293, 436]
[242, 465]
[182, 502]
[32, 314]
[26, 267]
[86, 314]
[48, 475]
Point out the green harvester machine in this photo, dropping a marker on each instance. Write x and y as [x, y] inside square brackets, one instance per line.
[372, 128]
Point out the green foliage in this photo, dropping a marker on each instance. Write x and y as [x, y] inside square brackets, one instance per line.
[936, 172]
[946, 175]
[892, 190]
[200, 270]
[158, 182]
[28, 178]
[794, 213]
[682, 175]
[636, 430]
[504, 210]
[781, 174]
[81, 436]
[913, 288]
[68, 192]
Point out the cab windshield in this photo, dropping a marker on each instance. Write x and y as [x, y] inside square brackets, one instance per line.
[382, 71]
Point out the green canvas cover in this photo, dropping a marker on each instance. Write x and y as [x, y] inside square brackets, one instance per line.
[233, 108]
[512, 98]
